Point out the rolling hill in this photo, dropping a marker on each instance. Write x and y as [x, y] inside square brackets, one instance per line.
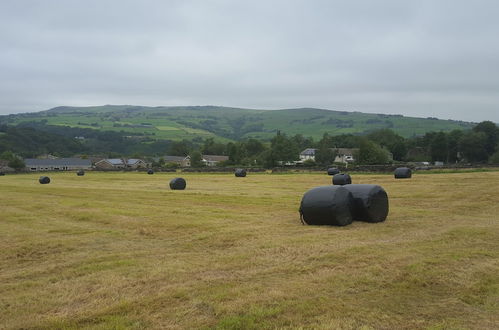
[224, 123]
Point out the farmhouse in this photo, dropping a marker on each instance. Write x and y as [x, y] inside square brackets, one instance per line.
[135, 163]
[213, 160]
[110, 164]
[184, 161]
[58, 164]
[118, 163]
[343, 155]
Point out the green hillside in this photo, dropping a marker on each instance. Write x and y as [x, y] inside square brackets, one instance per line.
[224, 124]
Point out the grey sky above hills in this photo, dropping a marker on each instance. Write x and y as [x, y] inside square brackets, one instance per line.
[420, 58]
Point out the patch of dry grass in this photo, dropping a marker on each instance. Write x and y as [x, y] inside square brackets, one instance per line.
[121, 250]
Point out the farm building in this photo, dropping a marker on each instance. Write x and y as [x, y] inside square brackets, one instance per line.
[213, 160]
[118, 163]
[343, 155]
[110, 164]
[135, 163]
[58, 164]
[179, 160]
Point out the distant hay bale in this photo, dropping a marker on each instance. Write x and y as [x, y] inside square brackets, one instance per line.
[327, 205]
[240, 173]
[177, 184]
[2, 173]
[150, 171]
[370, 202]
[44, 180]
[402, 173]
[332, 171]
[80, 173]
[342, 179]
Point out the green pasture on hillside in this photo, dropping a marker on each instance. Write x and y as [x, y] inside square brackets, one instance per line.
[122, 250]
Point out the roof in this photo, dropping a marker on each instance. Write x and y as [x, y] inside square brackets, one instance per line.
[308, 152]
[133, 161]
[115, 161]
[346, 151]
[57, 162]
[174, 158]
[215, 158]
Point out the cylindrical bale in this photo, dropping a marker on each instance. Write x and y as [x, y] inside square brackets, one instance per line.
[80, 173]
[402, 173]
[240, 173]
[333, 171]
[370, 202]
[44, 180]
[2, 173]
[150, 171]
[342, 179]
[327, 205]
[177, 184]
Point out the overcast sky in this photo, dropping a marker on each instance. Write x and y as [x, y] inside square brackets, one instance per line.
[417, 58]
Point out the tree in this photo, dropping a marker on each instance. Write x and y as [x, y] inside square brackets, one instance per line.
[494, 159]
[282, 149]
[210, 147]
[472, 145]
[371, 153]
[180, 148]
[439, 147]
[196, 159]
[491, 132]
[391, 141]
[16, 163]
[325, 155]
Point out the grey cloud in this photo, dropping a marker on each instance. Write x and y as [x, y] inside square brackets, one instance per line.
[419, 58]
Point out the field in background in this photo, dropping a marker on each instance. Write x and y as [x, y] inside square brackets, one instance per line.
[227, 124]
[121, 250]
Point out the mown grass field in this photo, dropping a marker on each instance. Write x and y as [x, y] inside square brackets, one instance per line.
[121, 250]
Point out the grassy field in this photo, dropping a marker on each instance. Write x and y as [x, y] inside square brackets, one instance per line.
[225, 123]
[121, 250]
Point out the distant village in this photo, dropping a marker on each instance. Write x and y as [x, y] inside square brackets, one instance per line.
[53, 163]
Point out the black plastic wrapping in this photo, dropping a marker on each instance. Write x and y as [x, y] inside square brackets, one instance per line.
[370, 202]
[44, 180]
[178, 184]
[240, 173]
[327, 205]
[402, 173]
[150, 171]
[2, 173]
[80, 173]
[333, 171]
[342, 179]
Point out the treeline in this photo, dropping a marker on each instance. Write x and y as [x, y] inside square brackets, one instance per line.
[478, 145]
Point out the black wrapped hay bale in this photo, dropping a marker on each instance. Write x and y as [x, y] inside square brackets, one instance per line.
[370, 202]
[44, 180]
[327, 205]
[177, 184]
[80, 173]
[2, 173]
[150, 171]
[402, 173]
[333, 171]
[342, 179]
[240, 173]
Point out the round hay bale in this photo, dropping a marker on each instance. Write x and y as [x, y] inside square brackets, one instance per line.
[342, 179]
[150, 171]
[327, 205]
[44, 180]
[240, 173]
[402, 173]
[177, 184]
[370, 202]
[333, 171]
[2, 173]
[80, 173]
